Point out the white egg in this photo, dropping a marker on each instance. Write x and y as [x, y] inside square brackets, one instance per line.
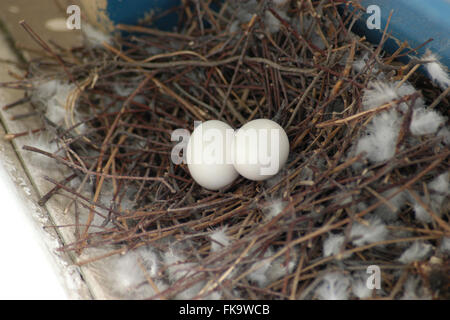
[261, 149]
[209, 155]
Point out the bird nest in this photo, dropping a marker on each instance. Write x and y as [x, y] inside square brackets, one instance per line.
[366, 182]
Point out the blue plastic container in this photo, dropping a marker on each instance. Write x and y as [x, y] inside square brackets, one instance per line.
[108, 13]
[415, 21]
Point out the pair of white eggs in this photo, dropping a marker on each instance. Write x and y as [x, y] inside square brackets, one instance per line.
[216, 154]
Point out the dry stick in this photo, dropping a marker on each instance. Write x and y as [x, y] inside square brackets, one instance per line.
[71, 102]
[154, 32]
[414, 49]
[49, 194]
[11, 136]
[348, 67]
[417, 230]
[403, 45]
[199, 102]
[304, 96]
[149, 279]
[368, 246]
[200, 17]
[103, 148]
[383, 37]
[16, 103]
[363, 248]
[298, 271]
[47, 48]
[230, 269]
[200, 114]
[24, 115]
[116, 120]
[211, 15]
[247, 34]
[405, 125]
[439, 221]
[313, 48]
[230, 105]
[438, 99]
[406, 77]
[100, 183]
[154, 57]
[80, 187]
[206, 64]
[399, 284]
[367, 112]
[106, 255]
[94, 173]
[380, 197]
[327, 228]
[171, 54]
[77, 196]
[200, 206]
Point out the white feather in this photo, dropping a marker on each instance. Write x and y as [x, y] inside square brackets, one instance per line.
[444, 133]
[381, 92]
[279, 269]
[399, 231]
[445, 245]
[274, 208]
[419, 250]
[420, 213]
[177, 267]
[122, 90]
[190, 292]
[332, 245]
[438, 191]
[42, 141]
[360, 63]
[425, 121]
[53, 96]
[436, 70]
[380, 139]
[390, 212]
[359, 286]
[440, 184]
[307, 27]
[246, 10]
[259, 275]
[377, 94]
[272, 23]
[335, 286]
[415, 290]
[362, 234]
[94, 36]
[130, 271]
[219, 239]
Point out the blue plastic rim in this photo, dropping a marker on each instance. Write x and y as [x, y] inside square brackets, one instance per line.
[131, 11]
[414, 21]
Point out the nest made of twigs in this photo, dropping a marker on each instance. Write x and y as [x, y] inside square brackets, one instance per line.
[130, 95]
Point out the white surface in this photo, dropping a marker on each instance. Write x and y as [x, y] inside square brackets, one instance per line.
[26, 267]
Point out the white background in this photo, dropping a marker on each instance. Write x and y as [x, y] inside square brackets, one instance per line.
[27, 270]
